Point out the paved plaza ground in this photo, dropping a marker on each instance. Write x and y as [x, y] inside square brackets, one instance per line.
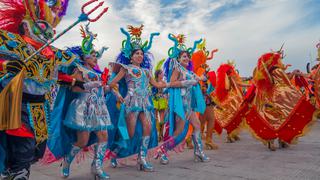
[246, 159]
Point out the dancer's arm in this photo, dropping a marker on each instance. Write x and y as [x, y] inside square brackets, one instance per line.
[174, 82]
[77, 75]
[119, 76]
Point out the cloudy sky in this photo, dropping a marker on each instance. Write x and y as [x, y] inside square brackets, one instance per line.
[242, 30]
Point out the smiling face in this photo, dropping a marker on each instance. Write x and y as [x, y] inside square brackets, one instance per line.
[91, 59]
[184, 58]
[137, 57]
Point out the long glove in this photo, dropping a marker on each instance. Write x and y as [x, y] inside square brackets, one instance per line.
[188, 83]
[92, 84]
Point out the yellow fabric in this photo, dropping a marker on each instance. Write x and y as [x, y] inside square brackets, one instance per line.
[37, 112]
[160, 103]
[10, 103]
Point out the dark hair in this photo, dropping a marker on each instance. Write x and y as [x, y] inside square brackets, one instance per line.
[21, 29]
[147, 59]
[134, 51]
[182, 52]
[157, 73]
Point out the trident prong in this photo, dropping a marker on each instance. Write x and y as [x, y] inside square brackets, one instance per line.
[94, 9]
[83, 17]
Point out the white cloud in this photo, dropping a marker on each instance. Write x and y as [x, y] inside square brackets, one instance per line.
[242, 35]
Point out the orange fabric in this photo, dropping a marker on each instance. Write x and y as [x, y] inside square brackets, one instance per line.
[189, 133]
[198, 58]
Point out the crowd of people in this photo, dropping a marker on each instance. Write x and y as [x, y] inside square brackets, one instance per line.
[57, 103]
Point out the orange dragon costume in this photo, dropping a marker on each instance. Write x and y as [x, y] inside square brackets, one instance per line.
[278, 109]
[231, 109]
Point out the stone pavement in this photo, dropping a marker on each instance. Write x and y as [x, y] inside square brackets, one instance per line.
[246, 159]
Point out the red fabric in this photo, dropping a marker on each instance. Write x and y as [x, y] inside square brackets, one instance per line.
[237, 119]
[250, 94]
[300, 81]
[1, 66]
[42, 5]
[47, 52]
[217, 128]
[105, 76]
[12, 12]
[258, 125]
[223, 71]
[293, 127]
[21, 132]
[212, 78]
[64, 77]
[265, 63]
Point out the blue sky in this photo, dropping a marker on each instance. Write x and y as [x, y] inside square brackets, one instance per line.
[242, 30]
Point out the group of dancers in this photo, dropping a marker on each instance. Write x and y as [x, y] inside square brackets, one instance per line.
[56, 104]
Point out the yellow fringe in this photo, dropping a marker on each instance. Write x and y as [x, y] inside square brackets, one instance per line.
[307, 128]
[253, 134]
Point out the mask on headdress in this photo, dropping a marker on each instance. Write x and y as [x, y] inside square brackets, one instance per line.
[200, 57]
[39, 16]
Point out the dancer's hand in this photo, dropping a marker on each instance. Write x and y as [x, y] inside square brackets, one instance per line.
[106, 88]
[187, 83]
[120, 98]
[79, 84]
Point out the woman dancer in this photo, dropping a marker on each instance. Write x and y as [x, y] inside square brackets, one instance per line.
[185, 99]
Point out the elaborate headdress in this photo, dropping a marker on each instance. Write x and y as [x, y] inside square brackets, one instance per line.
[223, 72]
[200, 57]
[13, 12]
[134, 42]
[87, 46]
[266, 64]
[175, 51]
[87, 42]
[179, 45]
